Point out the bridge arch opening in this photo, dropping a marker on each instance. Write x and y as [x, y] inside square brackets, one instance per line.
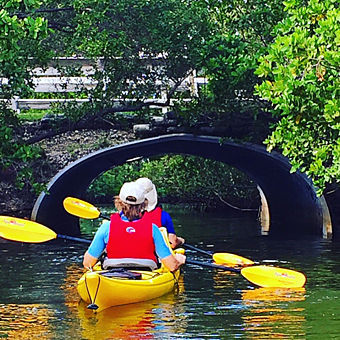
[193, 181]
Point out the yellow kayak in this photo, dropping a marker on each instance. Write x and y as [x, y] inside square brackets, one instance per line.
[106, 288]
[102, 289]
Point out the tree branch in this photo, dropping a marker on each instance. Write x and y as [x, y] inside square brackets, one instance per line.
[21, 15]
[230, 205]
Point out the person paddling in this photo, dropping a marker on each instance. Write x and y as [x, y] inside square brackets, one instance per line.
[155, 212]
[131, 240]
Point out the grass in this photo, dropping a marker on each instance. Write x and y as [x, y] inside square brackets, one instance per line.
[32, 114]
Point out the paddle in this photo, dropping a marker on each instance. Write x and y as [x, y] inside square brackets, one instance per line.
[83, 209]
[263, 276]
[16, 229]
[224, 258]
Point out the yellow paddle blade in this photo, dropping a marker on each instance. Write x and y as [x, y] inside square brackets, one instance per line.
[17, 229]
[179, 251]
[80, 208]
[266, 276]
[231, 260]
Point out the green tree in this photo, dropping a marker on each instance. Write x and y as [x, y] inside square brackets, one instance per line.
[301, 71]
[178, 179]
[241, 32]
[20, 42]
[20, 38]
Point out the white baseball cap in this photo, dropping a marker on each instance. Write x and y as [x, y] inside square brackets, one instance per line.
[150, 192]
[132, 193]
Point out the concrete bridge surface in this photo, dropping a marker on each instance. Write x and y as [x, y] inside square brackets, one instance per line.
[292, 203]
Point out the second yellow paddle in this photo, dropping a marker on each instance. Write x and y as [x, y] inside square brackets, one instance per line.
[83, 209]
[263, 276]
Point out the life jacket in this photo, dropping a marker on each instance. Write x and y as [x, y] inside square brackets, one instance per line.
[130, 240]
[155, 216]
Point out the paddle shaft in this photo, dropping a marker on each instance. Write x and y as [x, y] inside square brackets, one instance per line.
[212, 265]
[71, 238]
[105, 217]
[185, 245]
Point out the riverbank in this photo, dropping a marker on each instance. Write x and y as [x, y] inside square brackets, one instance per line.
[58, 152]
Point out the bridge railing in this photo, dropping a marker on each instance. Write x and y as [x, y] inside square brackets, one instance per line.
[51, 80]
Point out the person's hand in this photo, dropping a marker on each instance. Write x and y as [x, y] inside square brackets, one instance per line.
[89, 261]
[180, 258]
[181, 240]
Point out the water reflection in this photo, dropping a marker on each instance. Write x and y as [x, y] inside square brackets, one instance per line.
[145, 320]
[29, 321]
[117, 322]
[274, 313]
[225, 280]
[73, 274]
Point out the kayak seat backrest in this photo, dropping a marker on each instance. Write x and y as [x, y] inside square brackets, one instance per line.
[122, 273]
[129, 263]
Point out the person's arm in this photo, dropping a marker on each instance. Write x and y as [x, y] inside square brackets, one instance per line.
[173, 262]
[97, 245]
[170, 261]
[166, 221]
[174, 240]
[89, 261]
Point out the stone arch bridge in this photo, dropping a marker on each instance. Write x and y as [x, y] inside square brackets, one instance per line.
[289, 200]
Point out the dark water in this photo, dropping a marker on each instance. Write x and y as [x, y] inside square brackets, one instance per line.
[38, 298]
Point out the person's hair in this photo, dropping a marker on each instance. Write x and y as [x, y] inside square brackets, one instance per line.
[131, 211]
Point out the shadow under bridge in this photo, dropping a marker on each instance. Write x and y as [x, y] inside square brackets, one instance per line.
[291, 198]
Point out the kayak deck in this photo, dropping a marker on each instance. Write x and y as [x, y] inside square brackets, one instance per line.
[102, 290]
